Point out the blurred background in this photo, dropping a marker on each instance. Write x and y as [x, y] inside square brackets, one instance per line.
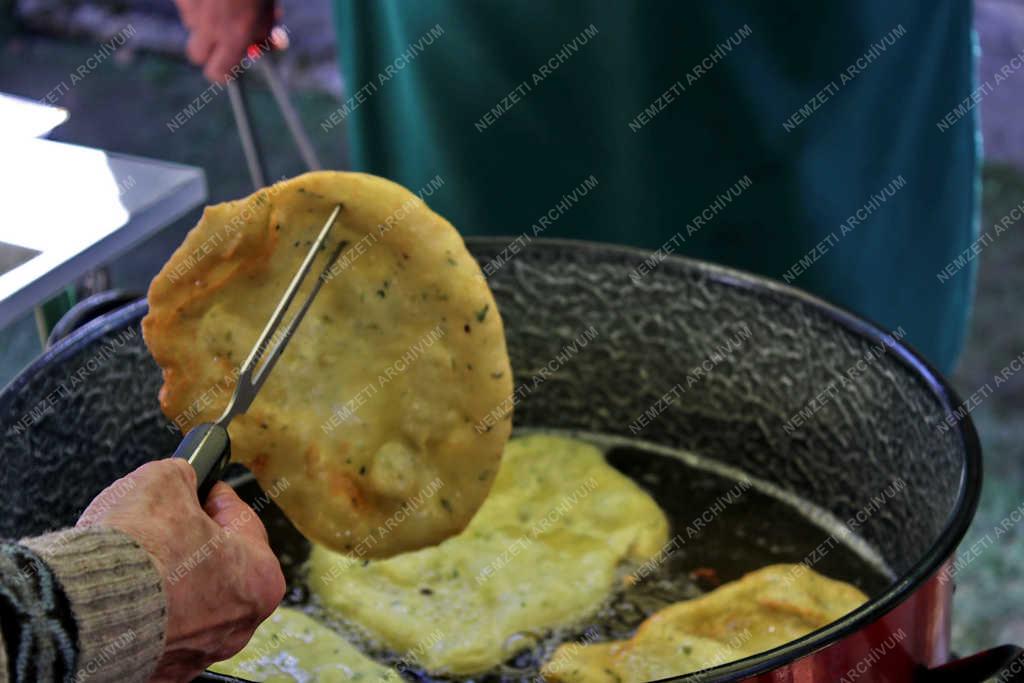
[126, 99]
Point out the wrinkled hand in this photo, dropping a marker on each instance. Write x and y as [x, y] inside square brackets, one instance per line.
[220, 577]
[221, 30]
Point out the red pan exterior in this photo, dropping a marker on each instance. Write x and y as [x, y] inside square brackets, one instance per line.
[898, 647]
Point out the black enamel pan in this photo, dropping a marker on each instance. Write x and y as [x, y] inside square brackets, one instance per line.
[767, 402]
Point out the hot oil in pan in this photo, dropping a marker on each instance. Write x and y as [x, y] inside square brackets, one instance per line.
[723, 525]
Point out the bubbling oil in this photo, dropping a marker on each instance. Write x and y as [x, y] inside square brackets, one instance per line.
[761, 526]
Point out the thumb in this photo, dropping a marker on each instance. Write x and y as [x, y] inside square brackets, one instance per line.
[232, 513]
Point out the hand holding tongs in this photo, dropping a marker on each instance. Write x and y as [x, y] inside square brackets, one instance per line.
[207, 446]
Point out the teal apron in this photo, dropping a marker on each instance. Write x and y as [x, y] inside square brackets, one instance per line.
[802, 141]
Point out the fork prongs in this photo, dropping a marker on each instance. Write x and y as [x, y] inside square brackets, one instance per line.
[249, 385]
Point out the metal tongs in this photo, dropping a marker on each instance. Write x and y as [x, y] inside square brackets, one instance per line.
[207, 446]
[264, 63]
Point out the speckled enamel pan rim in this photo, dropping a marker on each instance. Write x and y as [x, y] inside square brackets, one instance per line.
[970, 480]
[907, 583]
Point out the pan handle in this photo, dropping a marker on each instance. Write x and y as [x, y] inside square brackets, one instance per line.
[1004, 663]
[89, 309]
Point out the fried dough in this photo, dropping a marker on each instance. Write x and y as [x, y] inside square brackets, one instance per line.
[397, 382]
[541, 553]
[290, 646]
[764, 609]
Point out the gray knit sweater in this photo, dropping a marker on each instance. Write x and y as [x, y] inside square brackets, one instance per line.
[79, 605]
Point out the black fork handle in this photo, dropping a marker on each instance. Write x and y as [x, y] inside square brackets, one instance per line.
[208, 449]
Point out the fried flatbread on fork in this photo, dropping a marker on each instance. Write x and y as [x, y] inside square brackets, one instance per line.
[397, 381]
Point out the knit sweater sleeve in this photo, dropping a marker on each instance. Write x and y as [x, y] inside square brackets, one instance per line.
[77, 605]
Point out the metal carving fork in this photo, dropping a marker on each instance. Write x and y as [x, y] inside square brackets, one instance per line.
[207, 446]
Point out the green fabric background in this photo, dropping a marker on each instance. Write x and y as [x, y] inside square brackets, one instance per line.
[420, 121]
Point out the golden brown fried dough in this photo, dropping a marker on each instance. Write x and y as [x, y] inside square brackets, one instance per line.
[397, 382]
[764, 609]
